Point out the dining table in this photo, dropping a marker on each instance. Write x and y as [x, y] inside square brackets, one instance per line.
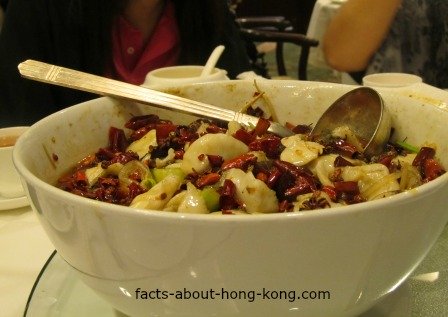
[24, 249]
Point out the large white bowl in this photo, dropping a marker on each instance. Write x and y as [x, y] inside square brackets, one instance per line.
[342, 260]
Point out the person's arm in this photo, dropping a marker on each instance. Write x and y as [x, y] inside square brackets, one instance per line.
[356, 33]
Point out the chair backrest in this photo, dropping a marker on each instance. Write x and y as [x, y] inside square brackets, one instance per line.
[277, 29]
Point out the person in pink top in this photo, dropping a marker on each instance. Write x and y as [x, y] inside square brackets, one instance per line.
[121, 39]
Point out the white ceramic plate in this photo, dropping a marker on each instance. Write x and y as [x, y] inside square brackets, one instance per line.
[59, 293]
[13, 203]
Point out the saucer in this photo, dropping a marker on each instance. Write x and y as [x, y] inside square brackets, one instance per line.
[13, 203]
[57, 292]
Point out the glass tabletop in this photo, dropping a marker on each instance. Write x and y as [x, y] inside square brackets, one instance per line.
[58, 292]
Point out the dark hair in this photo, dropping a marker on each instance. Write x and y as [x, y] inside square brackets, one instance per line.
[201, 23]
[94, 20]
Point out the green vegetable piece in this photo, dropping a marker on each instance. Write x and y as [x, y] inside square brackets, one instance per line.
[408, 147]
[161, 173]
[211, 198]
[148, 182]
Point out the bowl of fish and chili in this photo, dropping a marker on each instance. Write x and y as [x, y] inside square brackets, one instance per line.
[146, 261]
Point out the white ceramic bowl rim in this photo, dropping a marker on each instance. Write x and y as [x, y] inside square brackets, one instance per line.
[391, 80]
[415, 193]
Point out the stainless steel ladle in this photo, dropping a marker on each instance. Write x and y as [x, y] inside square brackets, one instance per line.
[361, 110]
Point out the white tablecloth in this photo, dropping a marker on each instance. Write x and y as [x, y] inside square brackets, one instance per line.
[24, 249]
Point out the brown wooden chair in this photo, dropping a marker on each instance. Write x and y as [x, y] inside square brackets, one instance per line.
[279, 30]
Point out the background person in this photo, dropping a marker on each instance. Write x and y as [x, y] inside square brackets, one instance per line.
[409, 36]
[121, 39]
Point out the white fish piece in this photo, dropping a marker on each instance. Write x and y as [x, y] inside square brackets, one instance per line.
[158, 196]
[256, 196]
[143, 145]
[407, 159]
[160, 163]
[232, 127]
[260, 155]
[193, 202]
[298, 151]
[94, 173]
[323, 167]
[175, 201]
[114, 169]
[344, 132]
[374, 180]
[211, 144]
[410, 176]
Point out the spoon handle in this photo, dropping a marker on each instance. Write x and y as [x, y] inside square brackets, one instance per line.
[212, 60]
[74, 79]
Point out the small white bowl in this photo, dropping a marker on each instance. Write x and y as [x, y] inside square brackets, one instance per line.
[10, 185]
[391, 80]
[181, 75]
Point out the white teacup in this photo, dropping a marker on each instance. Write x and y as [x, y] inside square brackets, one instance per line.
[10, 184]
[180, 75]
[391, 80]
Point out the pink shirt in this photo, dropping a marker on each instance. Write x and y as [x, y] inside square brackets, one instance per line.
[132, 59]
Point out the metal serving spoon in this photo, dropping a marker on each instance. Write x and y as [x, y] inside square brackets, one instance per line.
[74, 79]
[361, 110]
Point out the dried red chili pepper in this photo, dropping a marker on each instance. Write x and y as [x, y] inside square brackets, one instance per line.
[139, 133]
[163, 130]
[262, 176]
[80, 177]
[227, 198]
[87, 162]
[273, 177]
[432, 169]
[242, 162]
[261, 127]
[344, 148]
[244, 136]
[207, 179]
[117, 140]
[179, 154]
[302, 129]
[123, 157]
[285, 206]
[138, 122]
[386, 159]
[422, 155]
[215, 160]
[339, 161]
[294, 170]
[347, 187]
[270, 144]
[301, 186]
[331, 192]
[213, 128]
